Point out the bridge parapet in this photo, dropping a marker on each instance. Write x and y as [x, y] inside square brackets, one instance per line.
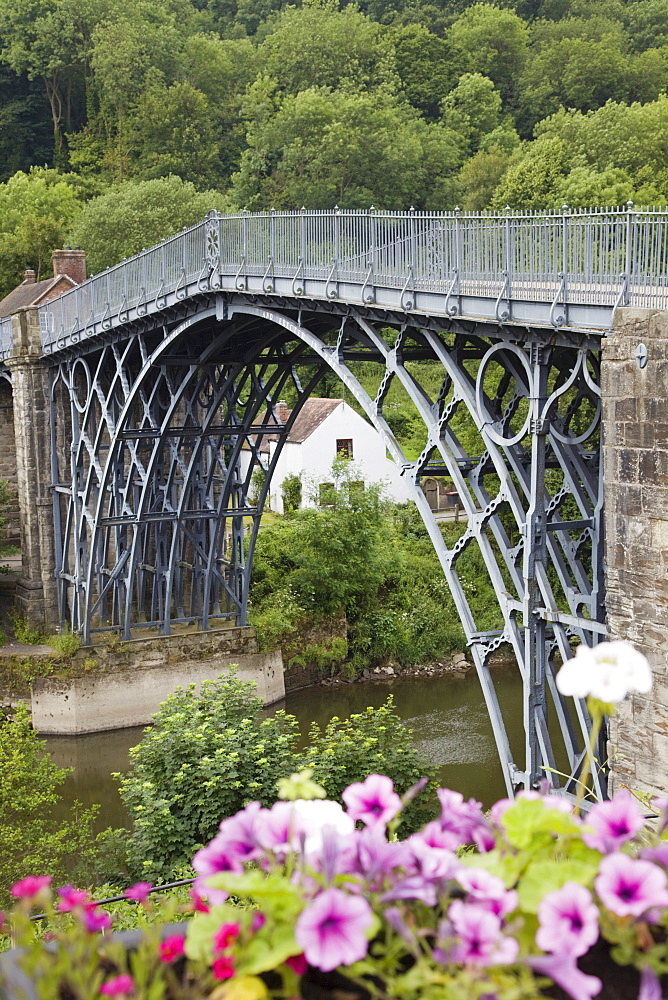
[562, 269]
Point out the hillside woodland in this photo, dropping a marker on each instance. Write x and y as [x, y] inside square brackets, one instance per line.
[122, 121]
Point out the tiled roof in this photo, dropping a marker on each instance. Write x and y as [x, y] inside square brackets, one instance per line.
[29, 293]
[312, 414]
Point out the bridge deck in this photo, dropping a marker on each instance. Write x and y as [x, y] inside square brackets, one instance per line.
[562, 270]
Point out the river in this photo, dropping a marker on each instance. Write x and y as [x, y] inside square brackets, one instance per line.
[447, 715]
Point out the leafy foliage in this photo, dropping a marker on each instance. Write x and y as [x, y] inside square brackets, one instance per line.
[209, 753]
[31, 838]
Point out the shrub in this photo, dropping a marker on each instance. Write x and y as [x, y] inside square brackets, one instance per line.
[348, 750]
[210, 753]
[291, 491]
[207, 755]
[31, 839]
[26, 634]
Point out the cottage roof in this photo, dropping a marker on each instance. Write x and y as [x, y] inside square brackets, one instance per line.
[31, 293]
[312, 414]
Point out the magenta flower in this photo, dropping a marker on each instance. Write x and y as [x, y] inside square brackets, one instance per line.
[280, 829]
[96, 920]
[629, 887]
[72, 899]
[297, 963]
[225, 936]
[139, 892]
[613, 823]
[373, 800]
[119, 986]
[172, 947]
[658, 854]
[332, 930]
[565, 973]
[257, 922]
[222, 967]
[30, 886]
[488, 890]
[568, 921]
[479, 939]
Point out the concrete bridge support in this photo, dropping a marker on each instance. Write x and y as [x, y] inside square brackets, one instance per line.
[36, 593]
[634, 383]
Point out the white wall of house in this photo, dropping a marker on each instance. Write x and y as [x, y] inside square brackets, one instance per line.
[313, 458]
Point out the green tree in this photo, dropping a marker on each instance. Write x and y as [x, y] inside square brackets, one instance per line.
[32, 841]
[50, 41]
[330, 559]
[493, 42]
[323, 148]
[318, 45]
[473, 111]
[138, 214]
[171, 131]
[534, 181]
[36, 212]
[426, 67]
[481, 175]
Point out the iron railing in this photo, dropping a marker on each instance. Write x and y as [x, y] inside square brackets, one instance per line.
[603, 257]
[5, 337]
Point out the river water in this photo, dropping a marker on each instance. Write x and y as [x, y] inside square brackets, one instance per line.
[447, 715]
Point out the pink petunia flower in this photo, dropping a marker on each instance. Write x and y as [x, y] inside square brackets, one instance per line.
[614, 823]
[96, 920]
[630, 887]
[487, 890]
[568, 921]
[297, 963]
[222, 967]
[257, 922]
[463, 821]
[650, 985]
[199, 903]
[373, 801]
[479, 937]
[30, 886]
[119, 986]
[172, 947]
[139, 892]
[225, 936]
[332, 930]
[565, 973]
[72, 899]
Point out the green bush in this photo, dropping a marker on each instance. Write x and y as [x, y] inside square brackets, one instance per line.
[372, 742]
[25, 633]
[66, 643]
[291, 491]
[32, 841]
[207, 755]
[323, 657]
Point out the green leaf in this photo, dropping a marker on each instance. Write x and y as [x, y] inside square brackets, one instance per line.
[530, 823]
[543, 877]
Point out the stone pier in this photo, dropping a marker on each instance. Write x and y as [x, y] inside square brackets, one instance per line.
[634, 384]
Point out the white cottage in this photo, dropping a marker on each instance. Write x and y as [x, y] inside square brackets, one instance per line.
[323, 430]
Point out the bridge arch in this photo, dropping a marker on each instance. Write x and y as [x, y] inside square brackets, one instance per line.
[152, 499]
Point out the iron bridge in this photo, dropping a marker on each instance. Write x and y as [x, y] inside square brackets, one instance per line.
[168, 366]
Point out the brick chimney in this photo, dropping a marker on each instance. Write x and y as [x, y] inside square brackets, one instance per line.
[282, 411]
[70, 262]
[29, 277]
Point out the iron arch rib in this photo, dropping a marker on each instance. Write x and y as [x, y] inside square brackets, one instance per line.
[159, 527]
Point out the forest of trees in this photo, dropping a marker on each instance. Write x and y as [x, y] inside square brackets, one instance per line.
[123, 120]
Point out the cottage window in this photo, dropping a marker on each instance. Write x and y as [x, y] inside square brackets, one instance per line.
[344, 448]
[327, 494]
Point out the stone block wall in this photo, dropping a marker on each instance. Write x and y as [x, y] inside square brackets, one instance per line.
[635, 450]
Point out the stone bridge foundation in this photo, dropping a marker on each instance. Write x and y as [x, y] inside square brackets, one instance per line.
[634, 383]
[36, 593]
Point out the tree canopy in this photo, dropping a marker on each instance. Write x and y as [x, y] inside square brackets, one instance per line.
[261, 103]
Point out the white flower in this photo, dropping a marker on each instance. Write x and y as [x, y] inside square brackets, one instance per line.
[313, 815]
[608, 672]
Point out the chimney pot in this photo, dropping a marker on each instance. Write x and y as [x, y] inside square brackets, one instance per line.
[71, 263]
[29, 276]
